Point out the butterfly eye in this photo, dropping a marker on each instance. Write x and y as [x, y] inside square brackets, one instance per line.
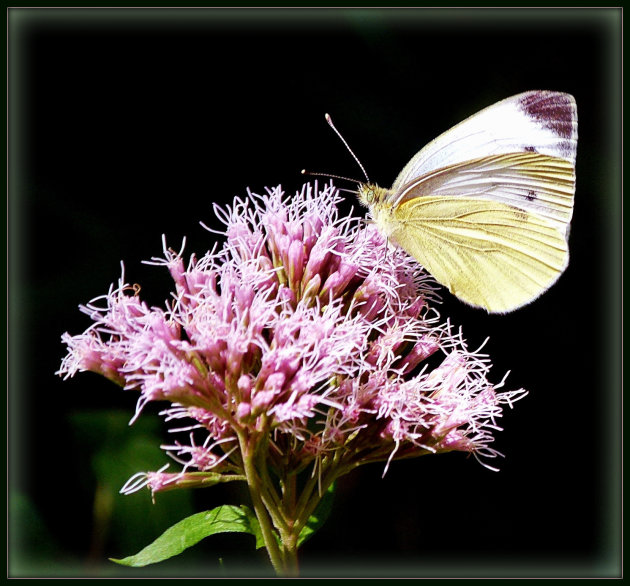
[366, 194]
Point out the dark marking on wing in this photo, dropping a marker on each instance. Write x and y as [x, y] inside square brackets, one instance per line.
[521, 215]
[531, 195]
[552, 110]
[530, 149]
[567, 149]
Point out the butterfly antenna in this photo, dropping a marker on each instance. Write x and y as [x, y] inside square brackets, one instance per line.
[343, 140]
[305, 172]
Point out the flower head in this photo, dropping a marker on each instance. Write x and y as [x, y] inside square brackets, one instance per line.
[304, 331]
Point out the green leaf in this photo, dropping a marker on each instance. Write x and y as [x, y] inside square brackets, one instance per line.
[317, 519]
[191, 530]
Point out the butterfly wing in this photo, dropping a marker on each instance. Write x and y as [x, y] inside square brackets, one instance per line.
[486, 206]
[535, 183]
[492, 230]
[488, 254]
[544, 122]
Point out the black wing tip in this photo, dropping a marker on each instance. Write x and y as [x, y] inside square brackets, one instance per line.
[556, 111]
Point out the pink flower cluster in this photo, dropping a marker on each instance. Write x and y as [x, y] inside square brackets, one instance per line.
[305, 330]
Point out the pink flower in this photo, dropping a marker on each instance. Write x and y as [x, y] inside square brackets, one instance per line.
[304, 332]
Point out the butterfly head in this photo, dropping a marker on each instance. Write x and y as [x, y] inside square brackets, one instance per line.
[370, 194]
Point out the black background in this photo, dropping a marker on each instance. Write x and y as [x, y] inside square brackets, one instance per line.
[127, 124]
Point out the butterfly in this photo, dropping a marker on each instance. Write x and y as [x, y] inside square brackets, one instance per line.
[486, 207]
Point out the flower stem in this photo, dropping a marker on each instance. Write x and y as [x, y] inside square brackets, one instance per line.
[253, 482]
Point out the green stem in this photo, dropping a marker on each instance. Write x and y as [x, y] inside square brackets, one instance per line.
[332, 468]
[306, 495]
[248, 451]
[289, 543]
[291, 533]
[310, 504]
[269, 496]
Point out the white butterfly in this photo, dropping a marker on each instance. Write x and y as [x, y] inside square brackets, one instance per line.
[486, 206]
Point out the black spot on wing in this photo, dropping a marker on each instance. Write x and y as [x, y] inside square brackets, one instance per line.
[521, 215]
[551, 110]
[531, 195]
[530, 149]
